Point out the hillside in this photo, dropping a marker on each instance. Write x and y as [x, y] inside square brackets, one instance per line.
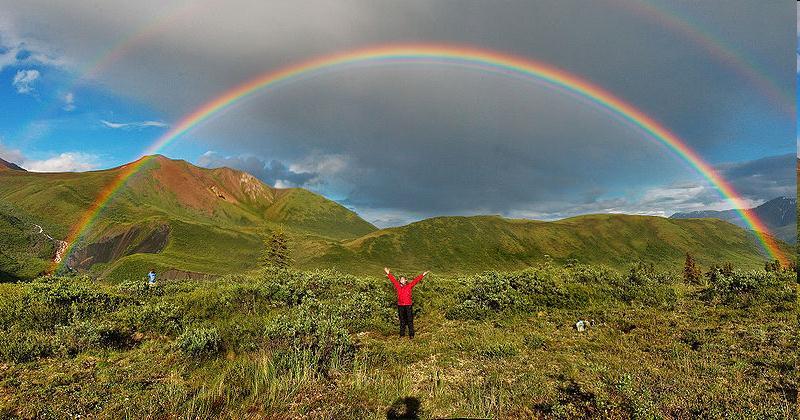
[172, 214]
[25, 250]
[188, 222]
[5, 165]
[459, 244]
[778, 214]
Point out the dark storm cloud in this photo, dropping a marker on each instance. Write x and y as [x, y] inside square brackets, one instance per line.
[272, 172]
[424, 140]
[763, 179]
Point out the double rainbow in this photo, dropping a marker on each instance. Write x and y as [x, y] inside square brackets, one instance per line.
[483, 60]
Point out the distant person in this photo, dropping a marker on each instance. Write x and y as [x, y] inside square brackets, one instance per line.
[151, 278]
[405, 307]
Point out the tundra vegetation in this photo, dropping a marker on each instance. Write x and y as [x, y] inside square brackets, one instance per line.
[283, 343]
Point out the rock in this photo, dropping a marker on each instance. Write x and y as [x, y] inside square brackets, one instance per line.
[583, 325]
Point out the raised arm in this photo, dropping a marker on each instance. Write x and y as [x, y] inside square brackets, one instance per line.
[391, 277]
[418, 278]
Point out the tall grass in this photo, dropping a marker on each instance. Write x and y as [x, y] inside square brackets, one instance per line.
[285, 343]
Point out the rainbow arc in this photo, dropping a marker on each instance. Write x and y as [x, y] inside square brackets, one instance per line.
[484, 60]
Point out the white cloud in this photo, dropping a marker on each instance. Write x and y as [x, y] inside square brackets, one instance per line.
[64, 162]
[69, 101]
[24, 79]
[321, 164]
[133, 125]
[385, 218]
[10, 155]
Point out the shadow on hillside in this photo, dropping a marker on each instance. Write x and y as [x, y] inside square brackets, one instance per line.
[411, 408]
[405, 408]
[7, 277]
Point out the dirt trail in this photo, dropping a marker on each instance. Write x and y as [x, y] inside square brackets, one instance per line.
[61, 245]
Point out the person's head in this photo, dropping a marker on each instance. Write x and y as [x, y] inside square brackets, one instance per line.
[403, 280]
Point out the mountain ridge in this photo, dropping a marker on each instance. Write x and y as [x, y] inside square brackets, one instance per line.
[6, 165]
[175, 217]
[479, 243]
[779, 215]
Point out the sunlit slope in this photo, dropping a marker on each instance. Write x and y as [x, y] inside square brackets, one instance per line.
[176, 217]
[24, 250]
[173, 214]
[467, 244]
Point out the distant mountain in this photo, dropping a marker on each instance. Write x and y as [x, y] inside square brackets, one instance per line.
[4, 164]
[778, 214]
[182, 220]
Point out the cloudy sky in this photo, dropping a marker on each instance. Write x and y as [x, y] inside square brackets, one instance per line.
[91, 84]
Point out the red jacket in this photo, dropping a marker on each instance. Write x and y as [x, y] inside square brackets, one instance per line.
[404, 292]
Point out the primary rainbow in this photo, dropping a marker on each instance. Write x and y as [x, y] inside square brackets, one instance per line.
[484, 60]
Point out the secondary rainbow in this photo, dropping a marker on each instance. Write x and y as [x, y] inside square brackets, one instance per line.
[783, 99]
[483, 60]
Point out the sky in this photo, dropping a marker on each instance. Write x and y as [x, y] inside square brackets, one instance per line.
[90, 85]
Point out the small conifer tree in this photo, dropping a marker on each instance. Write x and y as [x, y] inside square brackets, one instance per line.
[691, 272]
[276, 250]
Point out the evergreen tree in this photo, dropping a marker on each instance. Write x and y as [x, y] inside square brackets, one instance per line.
[276, 250]
[772, 266]
[691, 272]
[727, 269]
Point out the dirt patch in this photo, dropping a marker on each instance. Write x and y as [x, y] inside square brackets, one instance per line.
[132, 241]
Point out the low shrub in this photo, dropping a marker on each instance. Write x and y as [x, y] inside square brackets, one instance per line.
[548, 286]
[200, 341]
[534, 341]
[314, 329]
[162, 317]
[498, 350]
[746, 288]
[95, 333]
[25, 346]
[467, 310]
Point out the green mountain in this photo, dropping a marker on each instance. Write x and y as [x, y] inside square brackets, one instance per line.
[469, 244]
[171, 215]
[186, 221]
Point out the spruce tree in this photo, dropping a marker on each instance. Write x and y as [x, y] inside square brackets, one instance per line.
[276, 250]
[691, 272]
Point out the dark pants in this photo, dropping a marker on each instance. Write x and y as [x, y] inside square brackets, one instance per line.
[406, 314]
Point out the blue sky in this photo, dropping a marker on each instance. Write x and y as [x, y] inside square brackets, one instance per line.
[398, 144]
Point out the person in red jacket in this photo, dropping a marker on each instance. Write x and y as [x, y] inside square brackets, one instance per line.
[405, 306]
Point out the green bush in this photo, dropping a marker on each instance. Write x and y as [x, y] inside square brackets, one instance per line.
[746, 288]
[534, 341]
[200, 341]
[95, 333]
[314, 329]
[160, 316]
[498, 350]
[548, 286]
[25, 346]
[467, 310]
[52, 301]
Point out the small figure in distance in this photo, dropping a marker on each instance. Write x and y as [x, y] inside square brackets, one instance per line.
[405, 306]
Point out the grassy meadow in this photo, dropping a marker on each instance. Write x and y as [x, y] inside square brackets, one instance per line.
[276, 343]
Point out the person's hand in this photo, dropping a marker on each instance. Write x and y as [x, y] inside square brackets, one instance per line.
[425, 273]
[386, 270]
